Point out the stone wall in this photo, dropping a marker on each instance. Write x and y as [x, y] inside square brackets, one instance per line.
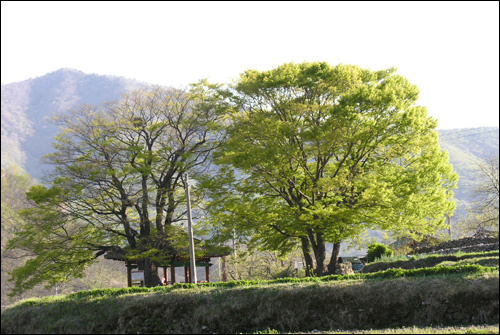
[467, 244]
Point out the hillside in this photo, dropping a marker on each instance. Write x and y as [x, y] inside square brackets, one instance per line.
[27, 135]
[27, 106]
[467, 148]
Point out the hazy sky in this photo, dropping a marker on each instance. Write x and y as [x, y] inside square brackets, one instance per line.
[450, 50]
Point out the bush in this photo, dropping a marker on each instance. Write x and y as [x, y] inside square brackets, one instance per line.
[377, 250]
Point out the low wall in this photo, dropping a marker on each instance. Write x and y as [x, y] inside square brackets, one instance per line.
[467, 244]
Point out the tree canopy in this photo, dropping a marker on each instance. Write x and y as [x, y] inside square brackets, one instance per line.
[117, 185]
[318, 154]
[306, 154]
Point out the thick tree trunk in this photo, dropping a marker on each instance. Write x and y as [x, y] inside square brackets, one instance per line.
[332, 266]
[151, 277]
[319, 250]
[307, 256]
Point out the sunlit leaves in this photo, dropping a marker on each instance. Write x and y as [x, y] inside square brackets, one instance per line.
[334, 150]
[117, 183]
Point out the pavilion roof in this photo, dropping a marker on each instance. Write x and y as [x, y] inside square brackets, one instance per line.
[203, 252]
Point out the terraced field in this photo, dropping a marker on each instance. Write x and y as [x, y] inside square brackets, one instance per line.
[454, 292]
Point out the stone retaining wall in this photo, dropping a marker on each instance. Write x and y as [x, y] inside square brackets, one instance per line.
[467, 244]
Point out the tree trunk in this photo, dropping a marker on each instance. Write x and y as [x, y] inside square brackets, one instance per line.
[151, 277]
[332, 267]
[319, 250]
[307, 256]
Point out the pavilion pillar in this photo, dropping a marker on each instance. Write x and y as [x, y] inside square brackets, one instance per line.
[207, 274]
[186, 275]
[129, 274]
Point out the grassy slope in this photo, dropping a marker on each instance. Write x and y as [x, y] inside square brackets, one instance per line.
[291, 307]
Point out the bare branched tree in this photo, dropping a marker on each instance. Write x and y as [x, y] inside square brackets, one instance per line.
[482, 216]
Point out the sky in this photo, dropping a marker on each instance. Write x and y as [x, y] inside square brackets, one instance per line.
[449, 49]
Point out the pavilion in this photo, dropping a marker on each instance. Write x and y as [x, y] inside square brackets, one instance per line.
[178, 259]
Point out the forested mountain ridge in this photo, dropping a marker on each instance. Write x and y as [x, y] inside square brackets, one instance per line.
[27, 106]
[467, 148]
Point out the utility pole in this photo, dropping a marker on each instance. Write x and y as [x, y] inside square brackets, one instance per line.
[194, 278]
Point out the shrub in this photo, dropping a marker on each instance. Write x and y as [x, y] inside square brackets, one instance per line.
[377, 250]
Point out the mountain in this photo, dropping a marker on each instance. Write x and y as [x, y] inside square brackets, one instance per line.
[27, 135]
[27, 106]
[467, 149]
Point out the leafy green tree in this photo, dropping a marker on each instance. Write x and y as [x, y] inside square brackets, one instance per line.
[319, 154]
[117, 185]
[14, 185]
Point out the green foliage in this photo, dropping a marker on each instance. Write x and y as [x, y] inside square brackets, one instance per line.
[378, 250]
[255, 264]
[59, 240]
[117, 186]
[15, 183]
[323, 153]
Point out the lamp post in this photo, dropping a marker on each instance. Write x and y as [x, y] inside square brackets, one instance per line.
[194, 279]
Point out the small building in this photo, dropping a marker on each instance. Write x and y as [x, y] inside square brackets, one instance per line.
[178, 258]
